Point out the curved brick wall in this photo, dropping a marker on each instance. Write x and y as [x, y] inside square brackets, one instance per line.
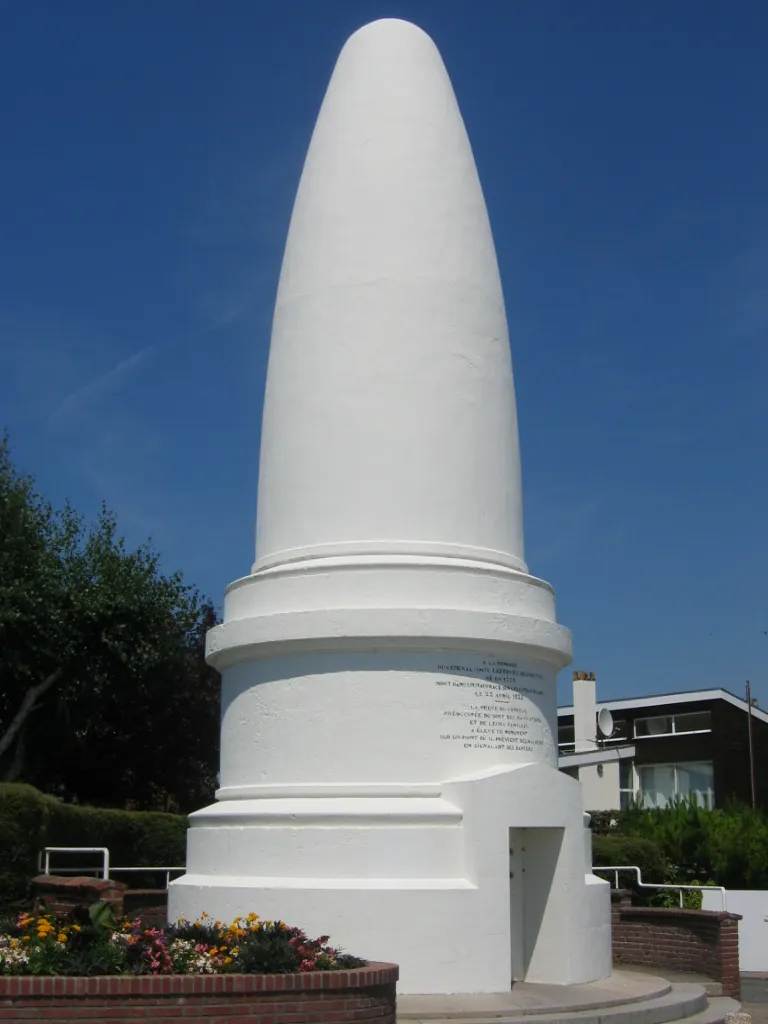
[699, 941]
[323, 997]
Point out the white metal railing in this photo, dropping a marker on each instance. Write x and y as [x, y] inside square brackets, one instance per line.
[105, 869]
[168, 871]
[681, 889]
[44, 859]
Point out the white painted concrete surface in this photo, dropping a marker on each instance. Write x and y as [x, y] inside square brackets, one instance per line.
[389, 767]
[600, 786]
[752, 904]
[584, 715]
[389, 344]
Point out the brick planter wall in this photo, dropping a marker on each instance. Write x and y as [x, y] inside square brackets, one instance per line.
[61, 894]
[322, 997]
[700, 941]
[150, 905]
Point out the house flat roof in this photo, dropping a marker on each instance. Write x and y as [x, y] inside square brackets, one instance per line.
[665, 699]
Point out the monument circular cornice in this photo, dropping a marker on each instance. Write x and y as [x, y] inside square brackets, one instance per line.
[386, 628]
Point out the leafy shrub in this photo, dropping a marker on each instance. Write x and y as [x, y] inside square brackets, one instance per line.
[670, 898]
[269, 952]
[24, 816]
[29, 821]
[737, 848]
[604, 823]
[641, 853]
[727, 846]
[681, 831]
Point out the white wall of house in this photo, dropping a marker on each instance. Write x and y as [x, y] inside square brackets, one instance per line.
[600, 791]
[753, 926]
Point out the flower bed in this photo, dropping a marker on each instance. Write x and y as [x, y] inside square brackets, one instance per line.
[249, 972]
[89, 941]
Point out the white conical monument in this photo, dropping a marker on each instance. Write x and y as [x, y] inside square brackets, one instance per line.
[388, 753]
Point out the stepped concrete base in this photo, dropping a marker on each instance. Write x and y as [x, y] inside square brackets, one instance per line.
[502, 856]
[711, 987]
[624, 998]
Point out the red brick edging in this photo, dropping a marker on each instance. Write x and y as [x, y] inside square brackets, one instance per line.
[317, 997]
[697, 941]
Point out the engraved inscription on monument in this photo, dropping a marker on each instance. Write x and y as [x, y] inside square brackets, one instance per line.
[493, 705]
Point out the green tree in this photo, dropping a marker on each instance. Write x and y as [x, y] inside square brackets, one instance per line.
[104, 692]
[726, 846]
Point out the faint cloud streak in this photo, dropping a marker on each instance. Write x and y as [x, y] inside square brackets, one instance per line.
[105, 383]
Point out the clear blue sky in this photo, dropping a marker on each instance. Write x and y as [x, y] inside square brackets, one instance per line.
[150, 154]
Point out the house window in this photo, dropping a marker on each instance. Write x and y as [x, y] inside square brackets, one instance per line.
[626, 785]
[673, 725]
[661, 784]
[660, 725]
[565, 735]
[694, 721]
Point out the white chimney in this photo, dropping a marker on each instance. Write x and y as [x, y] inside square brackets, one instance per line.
[584, 711]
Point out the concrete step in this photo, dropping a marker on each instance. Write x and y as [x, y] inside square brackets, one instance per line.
[715, 1012]
[711, 987]
[681, 1002]
[526, 998]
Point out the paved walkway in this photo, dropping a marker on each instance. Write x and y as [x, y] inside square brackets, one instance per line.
[621, 988]
[754, 990]
[712, 988]
[754, 997]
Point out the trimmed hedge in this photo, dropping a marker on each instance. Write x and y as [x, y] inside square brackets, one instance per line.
[30, 820]
[641, 853]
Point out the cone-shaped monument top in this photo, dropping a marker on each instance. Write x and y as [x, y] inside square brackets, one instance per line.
[390, 426]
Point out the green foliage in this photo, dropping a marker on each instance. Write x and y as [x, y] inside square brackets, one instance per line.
[105, 696]
[268, 951]
[47, 958]
[102, 917]
[738, 848]
[272, 948]
[681, 831]
[88, 954]
[24, 817]
[90, 949]
[692, 898]
[134, 838]
[29, 821]
[605, 823]
[629, 850]
[726, 846]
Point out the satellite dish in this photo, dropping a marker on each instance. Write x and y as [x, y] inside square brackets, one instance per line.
[605, 722]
